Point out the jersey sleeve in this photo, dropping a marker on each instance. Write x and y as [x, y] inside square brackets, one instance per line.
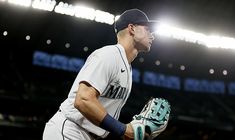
[98, 70]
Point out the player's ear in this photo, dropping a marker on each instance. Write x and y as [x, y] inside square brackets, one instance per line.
[131, 28]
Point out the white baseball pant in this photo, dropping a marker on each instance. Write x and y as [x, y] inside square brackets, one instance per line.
[60, 128]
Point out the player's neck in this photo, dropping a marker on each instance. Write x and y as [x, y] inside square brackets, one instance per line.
[131, 51]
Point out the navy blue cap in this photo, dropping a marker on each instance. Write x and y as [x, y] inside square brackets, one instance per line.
[133, 16]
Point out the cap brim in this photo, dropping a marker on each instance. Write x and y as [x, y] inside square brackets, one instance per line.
[152, 24]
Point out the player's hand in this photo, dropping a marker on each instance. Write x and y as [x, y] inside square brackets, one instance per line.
[129, 134]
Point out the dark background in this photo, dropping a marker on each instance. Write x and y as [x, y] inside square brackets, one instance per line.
[30, 95]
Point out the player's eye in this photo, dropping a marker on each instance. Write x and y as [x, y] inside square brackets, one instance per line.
[147, 28]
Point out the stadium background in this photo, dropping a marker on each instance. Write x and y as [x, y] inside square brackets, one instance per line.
[31, 88]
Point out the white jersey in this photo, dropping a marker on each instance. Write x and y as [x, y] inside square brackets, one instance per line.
[107, 70]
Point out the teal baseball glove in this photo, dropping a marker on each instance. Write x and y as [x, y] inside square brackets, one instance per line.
[153, 119]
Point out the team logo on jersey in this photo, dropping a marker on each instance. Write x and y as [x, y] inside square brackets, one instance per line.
[122, 70]
[115, 91]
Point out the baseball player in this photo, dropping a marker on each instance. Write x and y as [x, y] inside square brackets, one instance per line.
[103, 85]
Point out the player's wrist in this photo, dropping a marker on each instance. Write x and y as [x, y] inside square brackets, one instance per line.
[112, 125]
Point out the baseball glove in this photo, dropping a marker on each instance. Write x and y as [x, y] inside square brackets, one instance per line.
[152, 119]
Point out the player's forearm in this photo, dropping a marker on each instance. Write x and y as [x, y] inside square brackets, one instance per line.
[91, 109]
[86, 101]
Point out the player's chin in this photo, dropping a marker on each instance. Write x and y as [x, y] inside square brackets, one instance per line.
[147, 48]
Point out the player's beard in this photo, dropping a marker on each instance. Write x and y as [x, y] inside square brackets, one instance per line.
[143, 46]
[141, 43]
[148, 47]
